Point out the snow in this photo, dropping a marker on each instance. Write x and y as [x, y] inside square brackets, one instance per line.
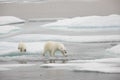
[106, 60]
[35, 42]
[15, 65]
[22, 58]
[4, 67]
[66, 38]
[111, 20]
[10, 20]
[8, 47]
[114, 49]
[6, 29]
[98, 38]
[100, 65]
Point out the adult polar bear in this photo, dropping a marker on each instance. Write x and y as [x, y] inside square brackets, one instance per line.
[52, 47]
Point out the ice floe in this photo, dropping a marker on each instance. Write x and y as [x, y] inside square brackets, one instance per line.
[114, 49]
[8, 47]
[4, 20]
[87, 22]
[64, 38]
[101, 65]
[7, 29]
[4, 67]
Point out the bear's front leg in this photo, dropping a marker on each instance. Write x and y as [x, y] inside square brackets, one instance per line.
[52, 54]
[64, 54]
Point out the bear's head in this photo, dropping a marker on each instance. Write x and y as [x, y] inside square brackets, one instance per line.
[63, 50]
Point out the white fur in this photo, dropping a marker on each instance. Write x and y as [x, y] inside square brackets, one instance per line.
[52, 47]
[22, 47]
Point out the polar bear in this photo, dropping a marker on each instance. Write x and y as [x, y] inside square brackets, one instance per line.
[22, 47]
[52, 47]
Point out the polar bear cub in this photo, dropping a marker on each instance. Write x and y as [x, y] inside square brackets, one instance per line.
[52, 47]
[22, 47]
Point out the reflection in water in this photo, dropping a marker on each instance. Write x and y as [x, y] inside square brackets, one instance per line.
[55, 60]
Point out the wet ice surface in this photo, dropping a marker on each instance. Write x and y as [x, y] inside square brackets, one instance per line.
[77, 49]
[95, 67]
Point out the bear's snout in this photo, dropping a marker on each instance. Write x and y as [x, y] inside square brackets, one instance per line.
[65, 51]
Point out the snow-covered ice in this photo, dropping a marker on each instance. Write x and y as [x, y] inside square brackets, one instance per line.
[100, 65]
[89, 21]
[8, 28]
[4, 20]
[64, 38]
[8, 47]
[4, 67]
[114, 49]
